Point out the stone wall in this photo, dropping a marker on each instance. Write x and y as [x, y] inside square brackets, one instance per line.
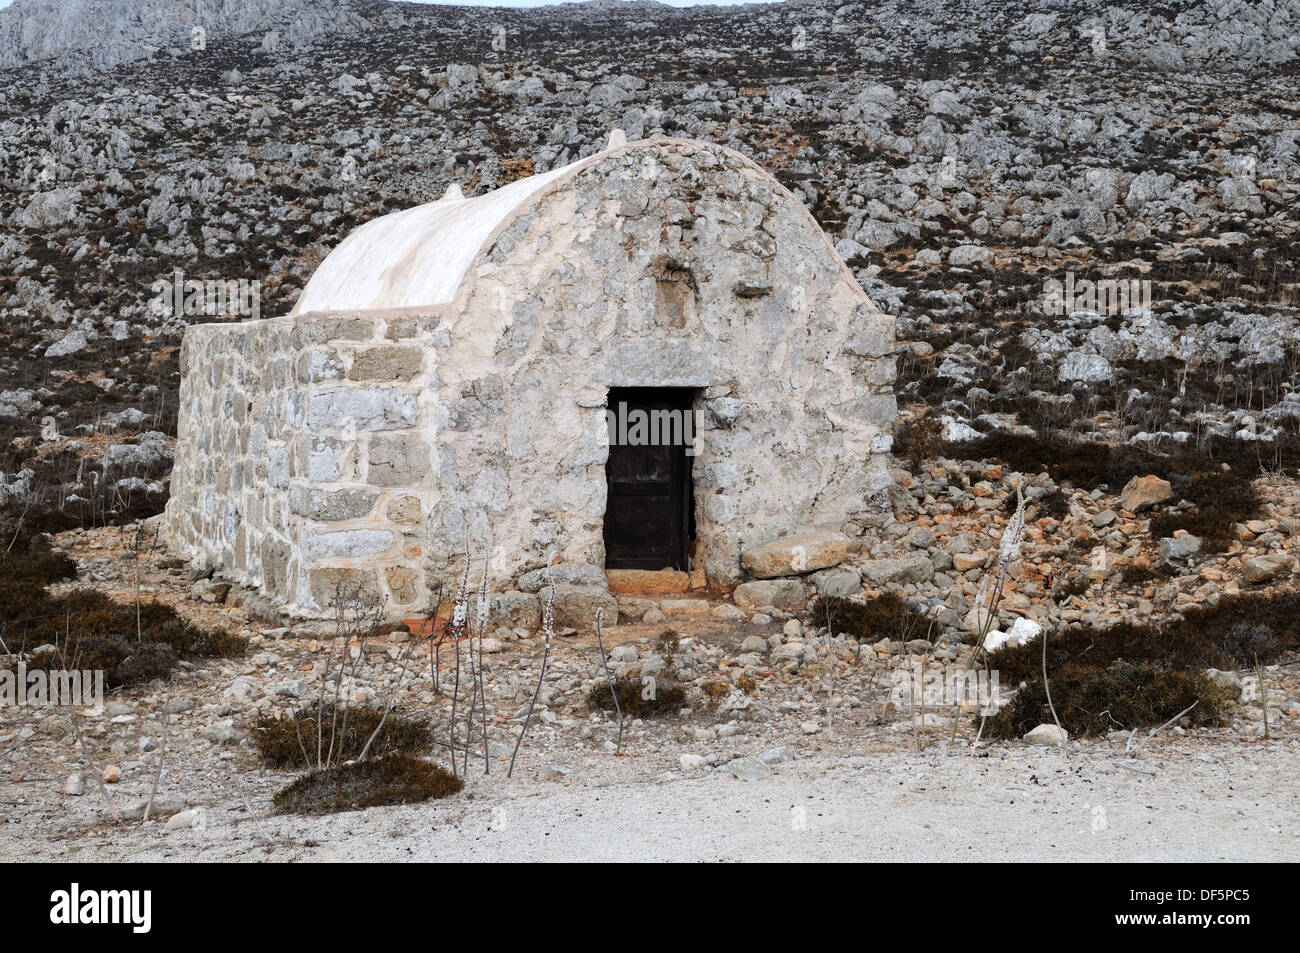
[301, 462]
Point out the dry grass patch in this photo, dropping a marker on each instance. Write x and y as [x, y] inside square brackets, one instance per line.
[394, 779]
[294, 741]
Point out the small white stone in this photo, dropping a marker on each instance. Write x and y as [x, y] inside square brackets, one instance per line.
[1048, 735]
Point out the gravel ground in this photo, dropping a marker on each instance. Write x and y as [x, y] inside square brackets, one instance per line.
[850, 787]
[1018, 803]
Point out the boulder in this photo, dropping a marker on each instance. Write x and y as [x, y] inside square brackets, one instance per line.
[516, 610]
[1088, 368]
[837, 583]
[779, 593]
[1265, 568]
[749, 769]
[574, 574]
[693, 763]
[884, 572]
[70, 343]
[576, 606]
[647, 581]
[795, 555]
[1047, 735]
[969, 255]
[1226, 680]
[164, 805]
[1177, 548]
[1141, 493]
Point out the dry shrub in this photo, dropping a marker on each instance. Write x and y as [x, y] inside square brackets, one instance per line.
[668, 697]
[886, 616]
[1053, 504]
[1141, 575]
[668, 644]
[1221, 499]
[918, 440]
[1083, 463]
[1133, 675]
[394, 779]
[91, 630]
[1075, 585]
[1244, 642]
[714, 693]
[281, 740]
[1123, 695]
[24, 576]
[40, 564]
[1089, 464]
[1225, 636]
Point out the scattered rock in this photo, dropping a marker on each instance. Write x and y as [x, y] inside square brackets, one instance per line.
[164, 805]
[185, 820]
[1175, 549]
[749, 769]
[693, 763]
[908, 569]
[1265, 568]
[778, 593]
[1142, 493]
[1049, 735]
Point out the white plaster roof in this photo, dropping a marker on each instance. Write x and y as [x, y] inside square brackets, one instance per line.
[418, 256]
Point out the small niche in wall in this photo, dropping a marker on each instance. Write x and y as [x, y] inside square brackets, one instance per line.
[676, 295]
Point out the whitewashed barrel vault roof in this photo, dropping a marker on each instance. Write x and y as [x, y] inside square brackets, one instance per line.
[419, 256]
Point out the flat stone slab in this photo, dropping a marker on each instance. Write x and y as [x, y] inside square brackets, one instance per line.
[684, 606]
[647, 581]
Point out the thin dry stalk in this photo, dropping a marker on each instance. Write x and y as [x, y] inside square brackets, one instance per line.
[1008, 553]
[162, 758]
[609, 680]
[484, 613]
[548, 631]
[90, 760]
[1155, 731]
[392, 700]
[1263, 695]
[457, 626]
[1048, 689]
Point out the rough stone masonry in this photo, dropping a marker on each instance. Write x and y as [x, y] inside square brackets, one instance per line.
[446, 371]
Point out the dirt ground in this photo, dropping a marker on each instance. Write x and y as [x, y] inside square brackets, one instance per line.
[806, 767]
[1197, 801]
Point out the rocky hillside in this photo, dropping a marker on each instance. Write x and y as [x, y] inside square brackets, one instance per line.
[982, 166]
[91, 35]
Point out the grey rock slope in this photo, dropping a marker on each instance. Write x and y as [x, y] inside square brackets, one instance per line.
[961, 154]
[105, 33]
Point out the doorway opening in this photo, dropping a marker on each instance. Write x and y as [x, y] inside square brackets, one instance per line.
[650, 510]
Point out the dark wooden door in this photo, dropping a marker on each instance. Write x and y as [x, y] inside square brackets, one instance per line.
[649, 513]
